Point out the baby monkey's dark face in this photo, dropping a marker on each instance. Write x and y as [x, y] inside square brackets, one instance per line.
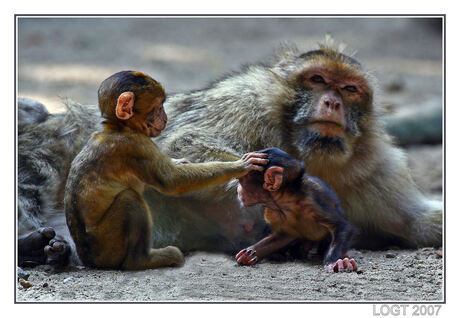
[250, 189]
[156, 120]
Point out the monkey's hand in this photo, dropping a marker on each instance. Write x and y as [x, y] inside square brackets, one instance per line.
[254, 161]
[342, 265]
[247, 257]
[181, 161]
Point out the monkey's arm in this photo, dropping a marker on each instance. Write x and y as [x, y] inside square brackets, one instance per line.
[162, 173]
[264, 247]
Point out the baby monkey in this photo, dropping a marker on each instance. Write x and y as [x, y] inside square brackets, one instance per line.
[106, 213]
[297, 206]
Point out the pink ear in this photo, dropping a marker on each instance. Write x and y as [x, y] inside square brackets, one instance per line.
[125, 105]
[273, 178]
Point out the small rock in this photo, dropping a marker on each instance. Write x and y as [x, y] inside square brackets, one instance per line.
[22, 273]
[45, 285]
[24, 283]
[390, 255]
[68, 279]
[359, 272]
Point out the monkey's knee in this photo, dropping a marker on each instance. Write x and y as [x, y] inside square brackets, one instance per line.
[123, 233]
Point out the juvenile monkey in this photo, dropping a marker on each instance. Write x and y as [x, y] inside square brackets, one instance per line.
[107, 216]
[297, 206]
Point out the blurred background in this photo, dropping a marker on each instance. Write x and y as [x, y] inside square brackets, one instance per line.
[69, 57]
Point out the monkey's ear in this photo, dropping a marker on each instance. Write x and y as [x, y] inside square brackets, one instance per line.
[125, 105]
[273, 178]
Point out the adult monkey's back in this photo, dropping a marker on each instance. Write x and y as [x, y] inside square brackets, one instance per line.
[273, 105]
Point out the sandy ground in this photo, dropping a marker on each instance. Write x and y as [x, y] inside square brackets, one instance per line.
[69, 57]
[390, 275]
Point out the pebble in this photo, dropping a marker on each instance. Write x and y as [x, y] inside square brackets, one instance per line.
[68, 279]
[45, 285]
[390, 255]
[22, 273]
[24, 283]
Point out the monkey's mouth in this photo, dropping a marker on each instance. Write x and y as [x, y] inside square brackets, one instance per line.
[328, 128]
[327, 123]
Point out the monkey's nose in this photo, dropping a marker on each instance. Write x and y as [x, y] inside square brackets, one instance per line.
[332, 104]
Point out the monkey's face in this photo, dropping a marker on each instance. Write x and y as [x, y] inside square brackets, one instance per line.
[156, 119]
[330, 103]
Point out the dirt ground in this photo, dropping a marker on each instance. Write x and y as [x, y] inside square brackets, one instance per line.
[69, 58]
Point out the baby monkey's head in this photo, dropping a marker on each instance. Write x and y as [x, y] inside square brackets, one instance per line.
[133, 100]
[282, 172]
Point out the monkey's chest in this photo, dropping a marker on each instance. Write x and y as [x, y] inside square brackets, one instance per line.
[301, 224]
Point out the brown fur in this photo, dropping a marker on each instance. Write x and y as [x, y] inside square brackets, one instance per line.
[107, 216]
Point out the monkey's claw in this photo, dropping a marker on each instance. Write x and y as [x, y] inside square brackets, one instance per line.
[246, 257]
[342, 265]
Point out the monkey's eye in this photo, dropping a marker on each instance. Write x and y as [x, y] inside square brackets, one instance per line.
[317, 79]
[351, 88]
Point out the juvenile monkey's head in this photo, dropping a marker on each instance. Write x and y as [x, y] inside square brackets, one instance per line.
[134, 100]
[333, 104]
[282, 172]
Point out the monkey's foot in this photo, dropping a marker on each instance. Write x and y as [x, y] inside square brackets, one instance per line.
[39, 247]
[342, 265]
[57, 252]
[246, 257]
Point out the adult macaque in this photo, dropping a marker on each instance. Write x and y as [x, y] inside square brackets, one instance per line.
[297, 206]
[318, 106]
[107, 216]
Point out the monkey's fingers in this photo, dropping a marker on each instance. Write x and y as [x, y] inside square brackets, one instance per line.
[253, 155]
[354, 264]
[240, 253]
[256, 164]
[338, 266]
[342, 265]
[348, 266]
[256, 168]
[247, 260]
[246, 257]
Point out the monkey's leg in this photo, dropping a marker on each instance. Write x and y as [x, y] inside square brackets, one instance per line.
[268, 245]
[122, 239]
[335, 260]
